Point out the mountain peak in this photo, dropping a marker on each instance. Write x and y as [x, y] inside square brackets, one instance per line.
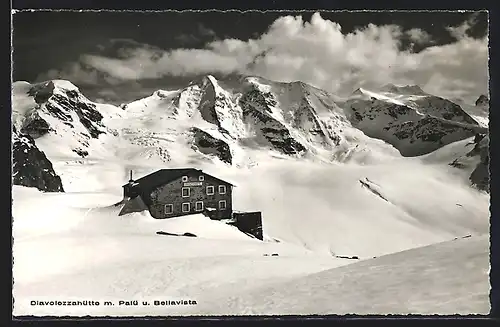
[300, 83]
[204, 80]
[406, 89]
[211, 78]
[358, 91]
[482, 100]
[42, 91]
[63, 84]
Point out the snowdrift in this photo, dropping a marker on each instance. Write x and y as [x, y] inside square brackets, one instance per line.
[33, 216]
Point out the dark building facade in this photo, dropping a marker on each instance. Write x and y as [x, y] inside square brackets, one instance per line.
[171, 193]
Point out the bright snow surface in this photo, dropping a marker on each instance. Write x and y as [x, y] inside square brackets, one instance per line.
[371, 202]
[74, 246]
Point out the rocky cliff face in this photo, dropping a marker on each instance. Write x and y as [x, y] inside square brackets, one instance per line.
[31, 167]
[476, 162]
[212, 146]
[428, 134]
[480, 177]
[258, 113]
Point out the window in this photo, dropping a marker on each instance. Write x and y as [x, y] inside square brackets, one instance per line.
[222, 205]
[185, 192]
[201, 178]
[199, 206]
[169, 209]
[184, 178]
[210, 190]
[186, 207]
[222, 189]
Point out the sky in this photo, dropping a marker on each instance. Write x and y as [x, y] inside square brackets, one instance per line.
[118, 57]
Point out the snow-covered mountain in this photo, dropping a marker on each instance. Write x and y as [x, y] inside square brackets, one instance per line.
[58, 116]
[482, 109]
[236, 121]
[478, 110]
[290, 119]
[483, 102]
[415, 122]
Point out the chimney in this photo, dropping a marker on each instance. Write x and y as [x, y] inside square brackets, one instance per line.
[126, 188]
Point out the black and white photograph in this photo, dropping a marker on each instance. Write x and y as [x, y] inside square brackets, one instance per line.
[247, 163]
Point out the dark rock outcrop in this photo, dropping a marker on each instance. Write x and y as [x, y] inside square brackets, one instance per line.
[476, 161]
[207, 144]
[480, 177]
[370, 186]
[81, 153]
[86, 112]
[482, 100]
[31, 167]
[188, 234]
[35, 126]
[353, 257]
[42, 92]
[208, 102]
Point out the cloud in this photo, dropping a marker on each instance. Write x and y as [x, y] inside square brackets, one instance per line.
[187, 39]
[81, 73]
[460, 32]
[454, 70]
[419, 36]
[318, 53]
[205, 31]
[202, 33]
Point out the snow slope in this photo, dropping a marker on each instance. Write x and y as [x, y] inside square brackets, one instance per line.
[84, 251]
[316, 205]
[430, 204]
[447, 278]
